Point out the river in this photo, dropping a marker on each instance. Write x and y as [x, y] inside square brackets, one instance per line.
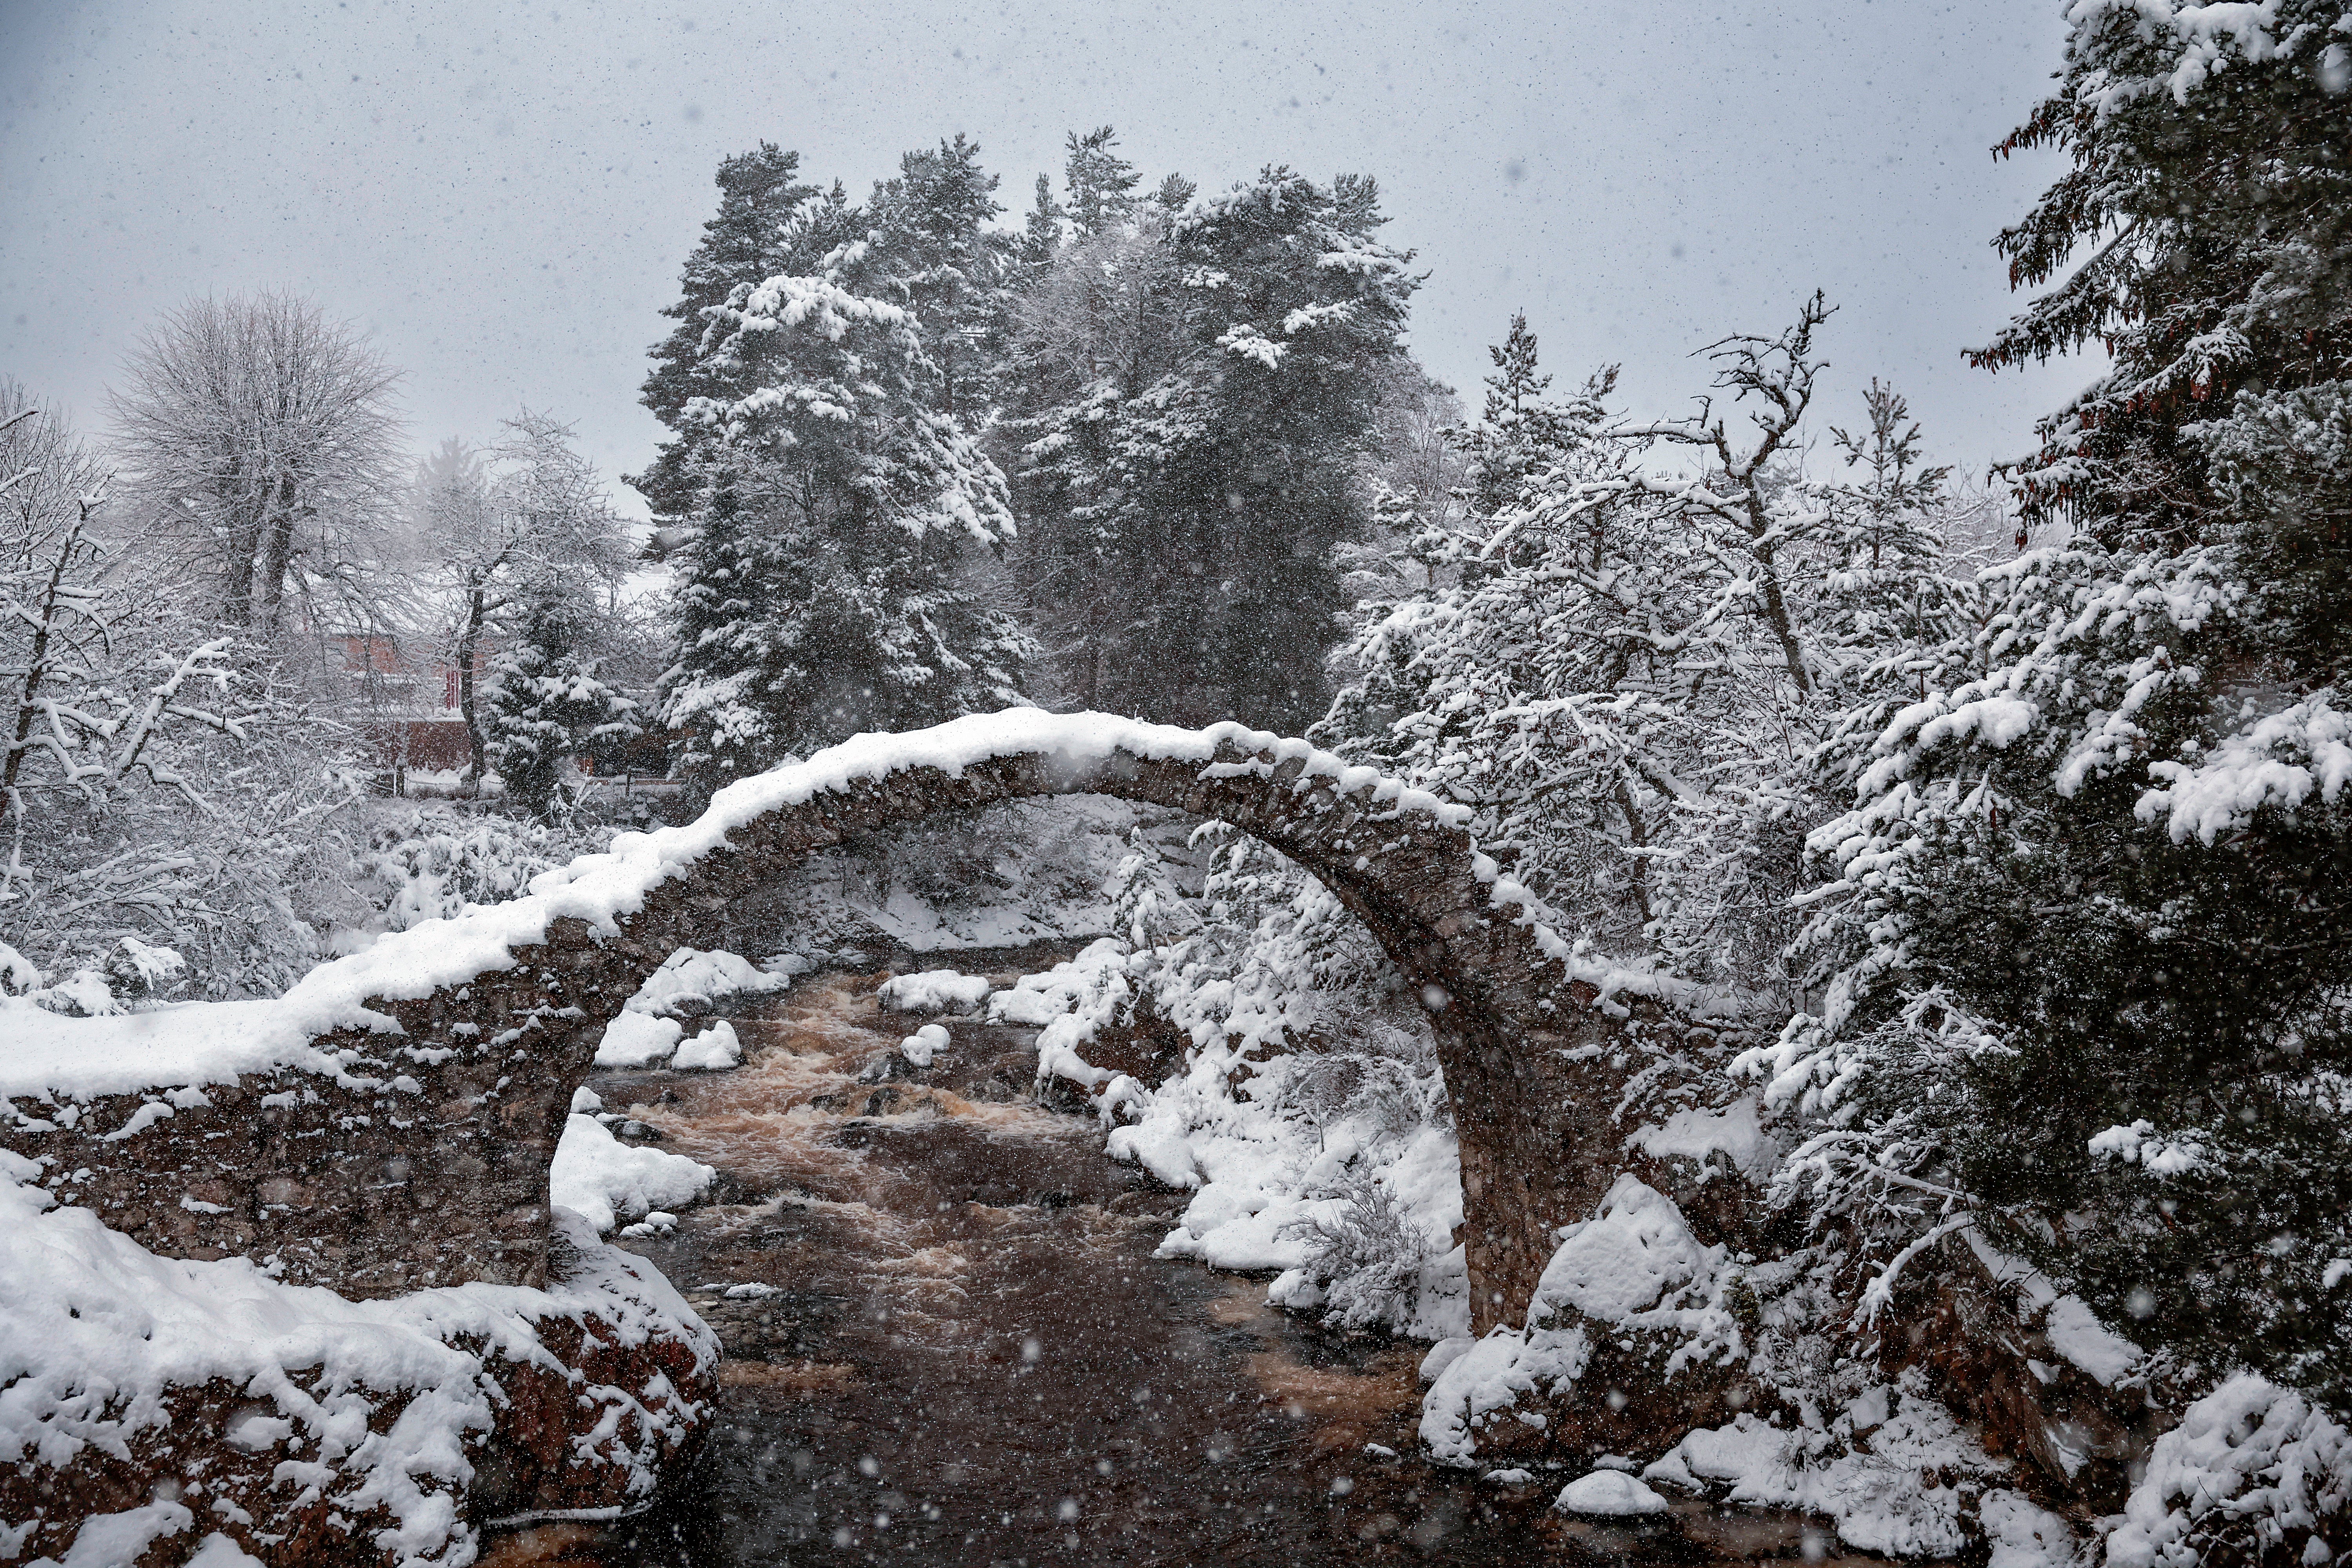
[947, 1341]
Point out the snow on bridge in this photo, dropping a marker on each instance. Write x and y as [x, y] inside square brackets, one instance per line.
[386, 1125]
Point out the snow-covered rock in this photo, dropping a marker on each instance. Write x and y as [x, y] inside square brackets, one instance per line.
[925, 1043]
[310, 1415]
[716, 1047]
[1443, 1354]
[602, 1179]
[1907, 1492]
[934, 991]
[691, 979]
[637, 1039]
[1609, 1494]
[1622, 1263]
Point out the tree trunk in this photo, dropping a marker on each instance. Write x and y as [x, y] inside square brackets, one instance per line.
[277, 553]
[37, 664]
[240, 539]
[468, 642]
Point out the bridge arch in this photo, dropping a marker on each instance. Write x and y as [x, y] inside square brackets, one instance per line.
[468, 1037]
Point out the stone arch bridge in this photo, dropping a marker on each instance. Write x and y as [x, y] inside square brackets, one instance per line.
[387, 1125]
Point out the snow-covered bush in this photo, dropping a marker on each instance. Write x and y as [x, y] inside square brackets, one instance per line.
[1368, 1253]
[2253, 1473]
[439, 858]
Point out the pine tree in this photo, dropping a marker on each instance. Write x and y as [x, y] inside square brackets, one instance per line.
[768, 222]
[1197, 388]
[2212, 189]
[1520, 434]
[952, 270]
[2094, 896]
[1041, 231]
[832, 495]
[1101, 183]
[1884, 587]
[546, 704]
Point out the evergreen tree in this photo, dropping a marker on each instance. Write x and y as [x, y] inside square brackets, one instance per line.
[1101, 183]
[1520, 434]
[1041, 232]
[832, 495]
[2211, 187]
[2092, 908]
[1197, 392]
[1884, 583]
[751, 237]
[546, 704]
[952, 271]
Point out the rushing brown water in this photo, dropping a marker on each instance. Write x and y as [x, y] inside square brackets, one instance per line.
[957, 1347]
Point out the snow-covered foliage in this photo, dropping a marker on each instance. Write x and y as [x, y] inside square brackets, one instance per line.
[1192, 385]
[2251, 1467]
[2197, 237]
[829, 484]
[1626, 670]
[2088, 750]
[511, 539]
[440, 859]
[1313, 1126]
[258, 438]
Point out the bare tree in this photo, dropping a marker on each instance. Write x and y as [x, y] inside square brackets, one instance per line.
[1409, 451]
[165, 802]
[260, 438]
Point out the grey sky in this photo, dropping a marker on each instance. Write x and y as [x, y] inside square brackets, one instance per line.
[503, 194]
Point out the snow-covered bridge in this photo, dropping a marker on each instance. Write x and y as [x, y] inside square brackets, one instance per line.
[388, 1123]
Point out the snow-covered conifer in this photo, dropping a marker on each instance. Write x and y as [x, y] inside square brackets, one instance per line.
[834, 497]
[1197, 391]
[2084, 926]
[546, 705]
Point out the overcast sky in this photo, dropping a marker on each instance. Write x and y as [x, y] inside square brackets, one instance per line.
[502, 195]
